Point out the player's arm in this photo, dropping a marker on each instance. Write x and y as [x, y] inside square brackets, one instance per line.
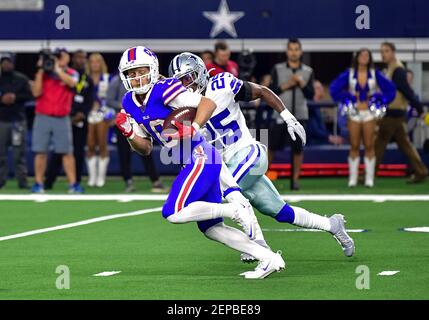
[137, 139]
[205, 108]
[250, 91]
[141, 145]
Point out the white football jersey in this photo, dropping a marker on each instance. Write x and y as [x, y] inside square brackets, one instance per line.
[227, 127]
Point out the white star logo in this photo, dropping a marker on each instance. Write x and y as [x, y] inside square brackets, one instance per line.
[223, 20]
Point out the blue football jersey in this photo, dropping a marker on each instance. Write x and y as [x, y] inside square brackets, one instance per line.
[151, 115]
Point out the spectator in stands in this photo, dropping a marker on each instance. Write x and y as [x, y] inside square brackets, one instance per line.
[362, 85]
[392, 126]
[222, 62]
[99, 122]
[317, 132]
[114, 97]
[54, 93]
[293, 82]
[14, 92]
[207, 56]
[82, 104]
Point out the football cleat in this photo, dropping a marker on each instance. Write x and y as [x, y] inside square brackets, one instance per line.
[247, 258]
[244, 218]
[266, 266]
[340, 234]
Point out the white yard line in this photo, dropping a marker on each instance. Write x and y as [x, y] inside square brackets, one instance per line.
[80, 223]
[163, 197]
[308, 230]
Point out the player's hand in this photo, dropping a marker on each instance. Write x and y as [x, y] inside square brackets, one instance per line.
[295, 128]
[124, 125]
[183, 132]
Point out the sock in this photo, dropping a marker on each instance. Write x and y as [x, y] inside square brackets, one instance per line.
[237, 197]
[306, 219]
[237, 240]
[201, 210]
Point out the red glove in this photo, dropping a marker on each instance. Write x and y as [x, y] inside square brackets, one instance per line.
[124, 125]
[183, 132]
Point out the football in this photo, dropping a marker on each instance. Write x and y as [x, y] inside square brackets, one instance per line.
[182, 115]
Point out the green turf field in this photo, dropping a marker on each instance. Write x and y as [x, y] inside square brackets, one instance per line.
[158, 260]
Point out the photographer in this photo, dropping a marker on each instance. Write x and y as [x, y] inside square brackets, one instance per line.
[14, 92]
[53, 88]
[82, 104]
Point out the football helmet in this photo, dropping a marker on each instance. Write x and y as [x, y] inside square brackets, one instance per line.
[189, 69]
[137, 57]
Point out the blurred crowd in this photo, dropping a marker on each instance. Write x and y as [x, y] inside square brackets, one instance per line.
[76, 99]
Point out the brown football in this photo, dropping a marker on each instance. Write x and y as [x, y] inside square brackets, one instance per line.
[182, 115]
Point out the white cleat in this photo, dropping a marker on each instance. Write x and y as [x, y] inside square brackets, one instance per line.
[340, 234]
[247, 258]
[265, 267]
[244, 218]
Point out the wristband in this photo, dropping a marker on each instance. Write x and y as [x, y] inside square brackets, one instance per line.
[286, 115]
[196, 126]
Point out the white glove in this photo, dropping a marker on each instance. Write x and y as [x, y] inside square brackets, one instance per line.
[293, 126]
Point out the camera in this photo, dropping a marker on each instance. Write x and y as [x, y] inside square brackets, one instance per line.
[48, 60]
[246, 62]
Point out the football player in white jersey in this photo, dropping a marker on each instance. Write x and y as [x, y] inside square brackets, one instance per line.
[245, 157]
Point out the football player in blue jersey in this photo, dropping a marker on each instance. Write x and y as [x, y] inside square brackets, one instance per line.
[244, 156]
[195, 193]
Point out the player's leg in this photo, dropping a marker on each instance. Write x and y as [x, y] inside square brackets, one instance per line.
[355, 129]
[102, 137]
[266, 199]
[193, 182]
[92, 159]
[368, 141]
[232, 193]
[216, 230]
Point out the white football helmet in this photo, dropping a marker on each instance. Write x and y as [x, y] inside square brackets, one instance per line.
[189, 68]
[137, 57]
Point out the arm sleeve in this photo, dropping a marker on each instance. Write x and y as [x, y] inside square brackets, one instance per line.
[339, 86]
[387, 87]
[245, 93]
[308, 90]
[400, 79]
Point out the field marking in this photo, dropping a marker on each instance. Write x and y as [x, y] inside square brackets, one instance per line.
[106, 273]
[387, 273]
[80, 223]
[416, 229]
[310, 230]
[162, 197]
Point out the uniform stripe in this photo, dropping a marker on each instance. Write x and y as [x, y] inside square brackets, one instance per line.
[243, 162]
[174, 95]
[229, 190]
[166, 92]
[190, 181]
[232, 84]
[237, 86]
[132, 54]
[244, 168]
